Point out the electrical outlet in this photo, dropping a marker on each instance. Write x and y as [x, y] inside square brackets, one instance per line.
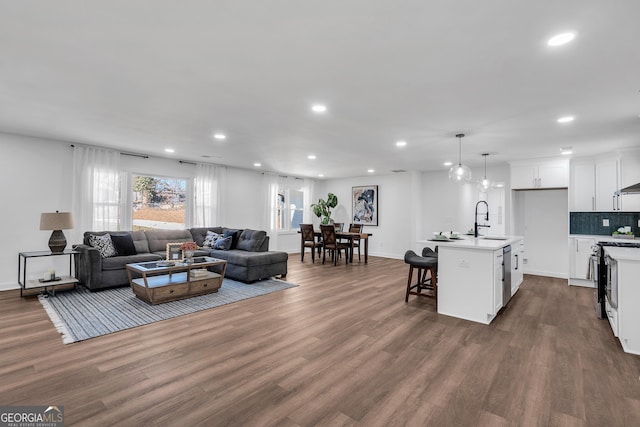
[605, 222]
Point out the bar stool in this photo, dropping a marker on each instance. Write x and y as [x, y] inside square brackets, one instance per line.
[424, 264]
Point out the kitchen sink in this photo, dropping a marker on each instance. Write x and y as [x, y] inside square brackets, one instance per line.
[495, 237]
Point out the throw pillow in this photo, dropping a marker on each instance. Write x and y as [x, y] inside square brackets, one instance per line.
[235, 234]
[210, 239]
[223, 243]
[123, 244]
[103, 244]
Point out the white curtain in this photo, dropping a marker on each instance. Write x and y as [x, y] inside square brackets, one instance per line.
[207, 195]
[308, 188]
[270, 218]
[97, 189]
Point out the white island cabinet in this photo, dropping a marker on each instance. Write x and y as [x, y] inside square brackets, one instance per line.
[627, 319]
[471, 277]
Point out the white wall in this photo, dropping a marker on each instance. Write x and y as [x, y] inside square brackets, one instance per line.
[541, 217]
[36, 178]
[393, 235]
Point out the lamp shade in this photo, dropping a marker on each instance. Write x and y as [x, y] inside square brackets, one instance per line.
[56, 221]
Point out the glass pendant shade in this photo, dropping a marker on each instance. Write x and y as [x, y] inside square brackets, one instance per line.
[485, 183]
[460, 173]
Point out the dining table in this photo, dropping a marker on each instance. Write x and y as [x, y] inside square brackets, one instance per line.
[350, 236]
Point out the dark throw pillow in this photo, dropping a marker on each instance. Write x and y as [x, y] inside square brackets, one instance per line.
[235, 235]
[223, 243]
[124, 244]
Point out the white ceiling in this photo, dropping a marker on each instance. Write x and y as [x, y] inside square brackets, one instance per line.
[142, 76]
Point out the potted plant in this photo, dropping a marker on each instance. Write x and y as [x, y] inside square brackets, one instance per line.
[322, 209]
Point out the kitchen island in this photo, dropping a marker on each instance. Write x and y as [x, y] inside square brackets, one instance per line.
[623, 312]
[472, 273]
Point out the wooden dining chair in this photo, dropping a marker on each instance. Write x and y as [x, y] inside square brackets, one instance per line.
[355, 242]
[339, 226]
[308, 240]
[330, 243]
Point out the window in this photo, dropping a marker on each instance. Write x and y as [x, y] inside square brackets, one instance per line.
[159, 203]
[289, 209]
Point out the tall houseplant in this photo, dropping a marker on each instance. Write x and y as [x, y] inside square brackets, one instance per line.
[322, 209]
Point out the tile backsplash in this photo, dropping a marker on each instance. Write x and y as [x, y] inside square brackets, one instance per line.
[591, 222]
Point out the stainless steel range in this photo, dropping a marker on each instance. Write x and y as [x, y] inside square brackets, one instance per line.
[599, 272]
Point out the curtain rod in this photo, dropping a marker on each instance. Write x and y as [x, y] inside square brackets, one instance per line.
[142, 156]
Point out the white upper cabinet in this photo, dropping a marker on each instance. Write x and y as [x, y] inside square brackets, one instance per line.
[582, 191]
[607, 183]
[630, 175]
[540, 174]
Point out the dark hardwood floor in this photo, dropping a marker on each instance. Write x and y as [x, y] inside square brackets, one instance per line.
[343, 348]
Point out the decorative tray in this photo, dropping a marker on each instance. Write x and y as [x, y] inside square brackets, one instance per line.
[55, 279]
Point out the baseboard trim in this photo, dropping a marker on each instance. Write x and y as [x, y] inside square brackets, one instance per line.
[9, 286]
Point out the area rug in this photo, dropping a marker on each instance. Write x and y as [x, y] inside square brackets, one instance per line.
[80, 314]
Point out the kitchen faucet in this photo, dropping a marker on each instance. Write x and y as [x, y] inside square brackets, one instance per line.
[476, 225]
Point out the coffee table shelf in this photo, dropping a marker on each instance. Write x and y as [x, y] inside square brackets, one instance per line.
[159, 284]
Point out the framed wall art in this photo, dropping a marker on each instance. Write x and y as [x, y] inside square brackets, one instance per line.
[365, 204]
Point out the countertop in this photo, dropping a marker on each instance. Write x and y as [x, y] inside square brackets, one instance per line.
[623, 254]
[470, 242]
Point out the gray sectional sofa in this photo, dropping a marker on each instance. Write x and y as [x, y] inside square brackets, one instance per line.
[248, 260]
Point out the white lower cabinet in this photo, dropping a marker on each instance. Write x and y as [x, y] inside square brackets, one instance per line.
[579, 257]
[498, 279]
[469, 283]
[628, 313]
[517, 273]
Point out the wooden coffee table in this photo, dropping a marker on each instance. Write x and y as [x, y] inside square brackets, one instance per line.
[163, 281]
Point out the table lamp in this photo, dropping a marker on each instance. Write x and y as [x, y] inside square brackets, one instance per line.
[56, 221]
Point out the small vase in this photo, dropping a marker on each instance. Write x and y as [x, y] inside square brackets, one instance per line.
[188, 256]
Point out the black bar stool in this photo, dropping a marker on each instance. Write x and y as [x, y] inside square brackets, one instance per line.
[424, 264]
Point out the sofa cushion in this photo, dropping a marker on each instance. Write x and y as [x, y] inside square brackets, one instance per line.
[140, 242]
[223, 243]
[123, 244]
[251, 240]
[249, 259]
[120, 262]
[199, 233]
[158, 239]
[103, 244]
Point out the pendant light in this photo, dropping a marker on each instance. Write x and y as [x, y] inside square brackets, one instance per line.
[485, 183]
[460, 173]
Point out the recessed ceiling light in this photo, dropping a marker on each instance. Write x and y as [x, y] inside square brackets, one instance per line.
[256, 164]
[448, 163]
[219, 136]
[311, 157]
[401, 143]
[320, 175]
[319, 108]
[566, 119]
[560, 39]
[565, 151]
[370, 170]
[169, 150]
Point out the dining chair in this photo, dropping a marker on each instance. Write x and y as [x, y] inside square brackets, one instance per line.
[339, 226]
[355, 242]
[308, 240]
[330, 243]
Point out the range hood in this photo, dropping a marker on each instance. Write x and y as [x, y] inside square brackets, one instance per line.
[632, 189]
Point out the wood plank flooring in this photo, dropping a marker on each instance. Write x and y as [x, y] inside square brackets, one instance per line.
[341, 349]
